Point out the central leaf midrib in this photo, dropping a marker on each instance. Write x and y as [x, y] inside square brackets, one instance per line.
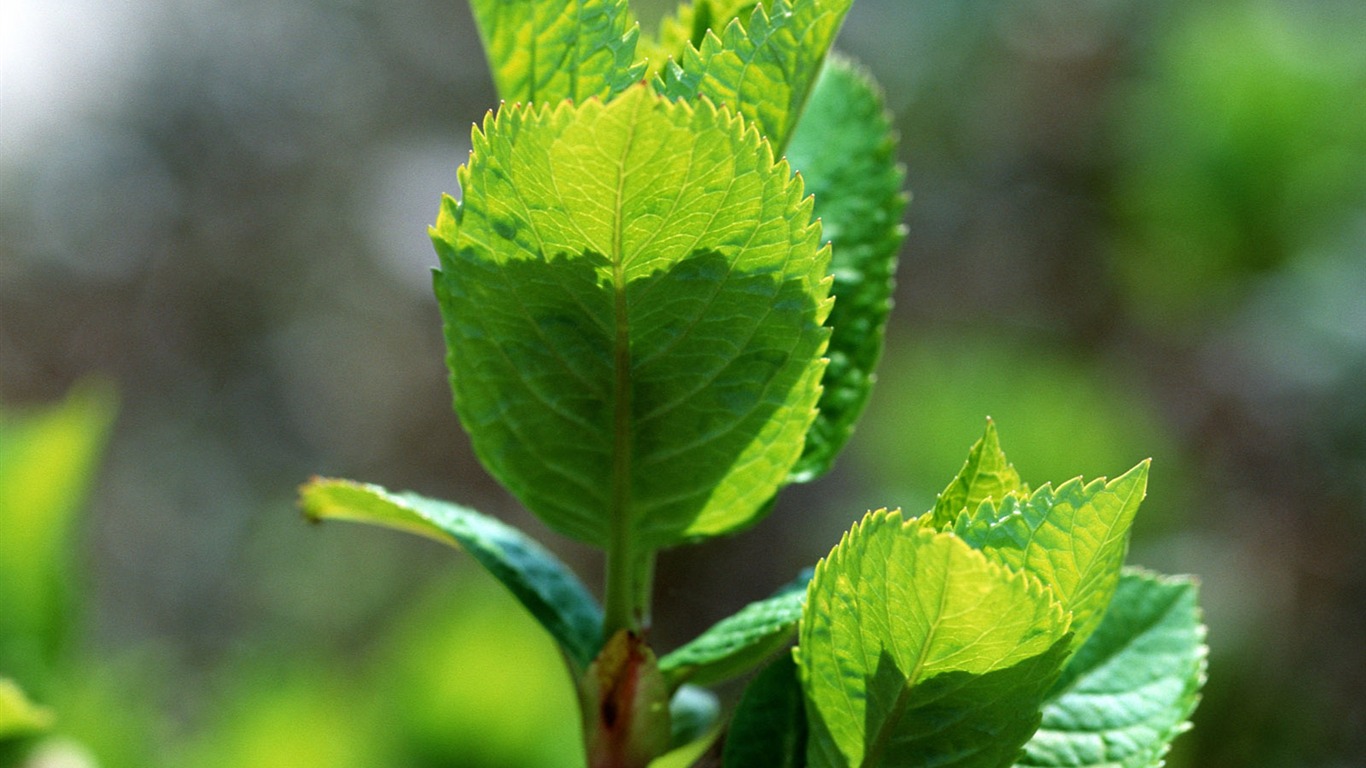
[620, 519]
[883, 737]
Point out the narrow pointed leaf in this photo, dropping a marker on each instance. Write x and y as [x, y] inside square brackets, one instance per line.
[548, 589]
[769, 724]
[740, 642]
[845, 150]
[985, 475]
[633, 296]
[1073, 538]
[48, 457]
[762, 65]
[1132, 687]
[552, 50]
[916, 649]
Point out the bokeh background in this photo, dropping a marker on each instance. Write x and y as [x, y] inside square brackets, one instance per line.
[1138, 230]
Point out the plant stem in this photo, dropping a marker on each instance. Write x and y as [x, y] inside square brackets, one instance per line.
[630, 581]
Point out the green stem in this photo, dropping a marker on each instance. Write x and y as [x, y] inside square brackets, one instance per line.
[630, 567]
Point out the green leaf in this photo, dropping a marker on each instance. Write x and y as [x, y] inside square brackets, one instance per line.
[48, 457]
[1073, 538]
[1131, 688]
[548, 589]
[546, 51]
[693, 713]
[985, 475]
[633, 296]
[739, 642]
[18, 715]
[845, 150]
[916, 649]
[769, 724]
[763, 66]
[688, 25]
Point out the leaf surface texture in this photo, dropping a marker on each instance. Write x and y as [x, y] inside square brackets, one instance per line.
[633, 296]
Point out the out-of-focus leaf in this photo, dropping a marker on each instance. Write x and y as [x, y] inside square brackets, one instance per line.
[1073, 539]
[693, 713]
[1132, 687]
[47, 460]
[916, 649]
[548, 589]
[18, 715]
[633, 295]
[739, 642]
[845, 150]
[546, 51]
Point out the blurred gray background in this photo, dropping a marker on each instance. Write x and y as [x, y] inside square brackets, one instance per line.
[1138, 229]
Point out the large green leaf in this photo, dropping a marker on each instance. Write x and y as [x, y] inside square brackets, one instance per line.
[1130, 689]
[985, 475]
[845, 150]
[741, 641]
[633, 295]
[916, 649]
[545, 51]
[1073, 538]
[762, 64]
[769, 725]
[548, 589]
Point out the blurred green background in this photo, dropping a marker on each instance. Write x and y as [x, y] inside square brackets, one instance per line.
[1138, 230]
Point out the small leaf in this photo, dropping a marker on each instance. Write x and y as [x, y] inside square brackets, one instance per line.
[985, 475]
[845, 150]
[1131, 688]
[769, 725]
[633, 296]
[18, 715]
[762, 65]
[915, 649]
[548, 589]
[693, 712]
[1073, 538]
[741, 641]
[546, 51]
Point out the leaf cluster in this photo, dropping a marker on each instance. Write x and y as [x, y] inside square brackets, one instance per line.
[663, 289]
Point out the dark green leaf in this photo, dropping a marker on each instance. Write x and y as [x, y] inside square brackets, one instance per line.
[1130, 689]
[548, 589]
[845, 150]
[769, 725]
[693, 712]
[740, 642]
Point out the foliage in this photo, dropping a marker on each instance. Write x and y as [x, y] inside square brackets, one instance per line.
[47, 459]
[636, 294]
